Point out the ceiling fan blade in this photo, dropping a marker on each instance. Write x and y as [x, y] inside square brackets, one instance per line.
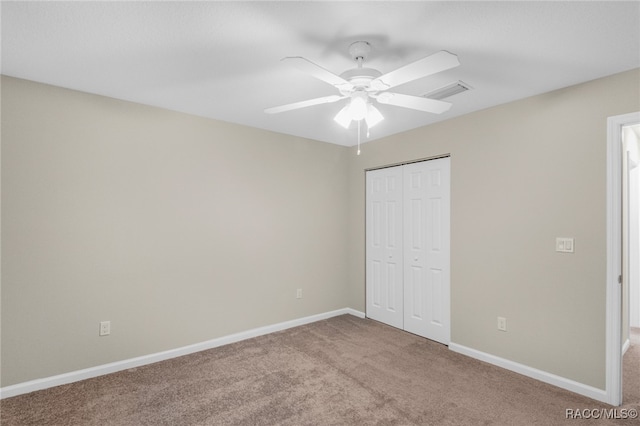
[304, 104]
[432, 64]
[413, 102]
[318, 72]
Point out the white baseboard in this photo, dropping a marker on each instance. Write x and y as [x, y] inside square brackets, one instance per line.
[543, 376]
[625, 346]
[87, 373]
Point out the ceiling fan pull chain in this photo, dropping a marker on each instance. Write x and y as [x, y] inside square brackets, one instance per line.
[359, 137]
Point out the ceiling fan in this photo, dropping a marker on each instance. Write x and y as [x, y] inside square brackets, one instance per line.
[362, 85]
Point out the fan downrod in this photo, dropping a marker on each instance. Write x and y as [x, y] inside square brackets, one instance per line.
[359, 77]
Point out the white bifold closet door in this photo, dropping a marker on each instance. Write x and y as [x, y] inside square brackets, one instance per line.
[407, 247]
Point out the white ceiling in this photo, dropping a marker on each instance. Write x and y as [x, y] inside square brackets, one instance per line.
[222, 59]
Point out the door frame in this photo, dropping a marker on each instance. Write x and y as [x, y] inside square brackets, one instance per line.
[613, 385]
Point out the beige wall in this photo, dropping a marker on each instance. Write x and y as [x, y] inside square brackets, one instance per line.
[522, 174]
[177, 229]
[180, 229]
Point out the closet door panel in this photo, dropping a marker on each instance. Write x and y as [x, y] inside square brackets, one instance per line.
[426, 231]
[384, 260]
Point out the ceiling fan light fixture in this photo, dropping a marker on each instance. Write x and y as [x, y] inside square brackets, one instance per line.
[373, 116]
[343, 117]
[358, 109]
[358, 105]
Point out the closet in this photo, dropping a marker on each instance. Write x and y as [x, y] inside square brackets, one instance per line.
[407, 247]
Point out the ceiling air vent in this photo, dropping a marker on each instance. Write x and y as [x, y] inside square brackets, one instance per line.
[448, 90]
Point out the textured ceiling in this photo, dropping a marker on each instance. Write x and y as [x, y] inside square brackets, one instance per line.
[222, 59]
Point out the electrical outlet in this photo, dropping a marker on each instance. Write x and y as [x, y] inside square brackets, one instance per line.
[502, 324]
[299, 293]
[105, 328]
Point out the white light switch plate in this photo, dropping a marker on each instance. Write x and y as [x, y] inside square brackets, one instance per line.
[564, 245]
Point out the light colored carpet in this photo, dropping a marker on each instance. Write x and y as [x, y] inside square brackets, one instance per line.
[631, 372]
[340, 371]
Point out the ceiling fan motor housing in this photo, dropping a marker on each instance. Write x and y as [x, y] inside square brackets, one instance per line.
[360, 78]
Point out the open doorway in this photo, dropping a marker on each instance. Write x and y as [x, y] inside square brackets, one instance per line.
[621, 241]
[630, 306]
[631, 286]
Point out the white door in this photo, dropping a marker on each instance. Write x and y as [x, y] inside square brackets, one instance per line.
[384, 246]
[407, 247]
[426, 249]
